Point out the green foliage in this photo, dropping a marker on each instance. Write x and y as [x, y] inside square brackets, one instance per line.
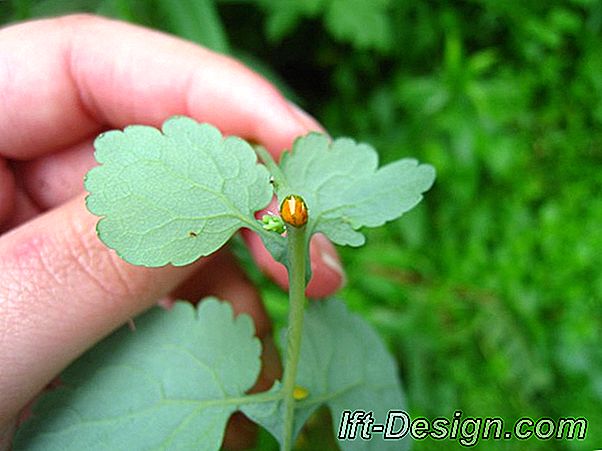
[174, 381]
[176, 194]
[171, 384]
[344, 365]
[363, 23]
[157, 192]
[173, 195]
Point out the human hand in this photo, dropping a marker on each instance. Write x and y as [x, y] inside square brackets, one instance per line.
[62, 81]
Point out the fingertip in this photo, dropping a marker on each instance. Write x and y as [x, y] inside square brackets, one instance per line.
[289, 123]
[306, 119]
[328, 275]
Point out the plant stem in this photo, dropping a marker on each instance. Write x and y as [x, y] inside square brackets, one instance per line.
[296, 277]
[273, 168]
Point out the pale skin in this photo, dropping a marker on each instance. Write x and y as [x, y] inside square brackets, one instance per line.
[62, 81]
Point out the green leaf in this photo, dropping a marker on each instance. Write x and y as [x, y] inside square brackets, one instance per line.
[175, 196]
[170, 384]
[196, 20]
[344, 365]
[345, 190]
[284, 15]
[47, 8]
[366, 24]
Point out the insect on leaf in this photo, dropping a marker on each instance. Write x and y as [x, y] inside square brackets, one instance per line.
[344, 188]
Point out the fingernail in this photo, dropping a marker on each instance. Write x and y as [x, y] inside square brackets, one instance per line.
[306, 120]
[329, 256]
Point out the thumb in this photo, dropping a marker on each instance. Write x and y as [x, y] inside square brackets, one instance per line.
[62, 290]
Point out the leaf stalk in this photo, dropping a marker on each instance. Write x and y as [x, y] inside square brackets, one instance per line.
[296, 276]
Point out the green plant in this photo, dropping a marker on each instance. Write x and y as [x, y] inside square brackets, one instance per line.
[173, 195]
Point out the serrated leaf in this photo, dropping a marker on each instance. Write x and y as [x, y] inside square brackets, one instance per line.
[344, 365]
[174, 196]
[170, 384]
[345, 189]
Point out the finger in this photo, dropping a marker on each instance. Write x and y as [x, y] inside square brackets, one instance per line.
[97, 73]
[92, 73]
[61, 290]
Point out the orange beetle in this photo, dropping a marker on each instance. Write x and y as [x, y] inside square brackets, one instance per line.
[294, 211]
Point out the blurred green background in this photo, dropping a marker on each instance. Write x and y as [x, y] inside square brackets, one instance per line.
[490, 292]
